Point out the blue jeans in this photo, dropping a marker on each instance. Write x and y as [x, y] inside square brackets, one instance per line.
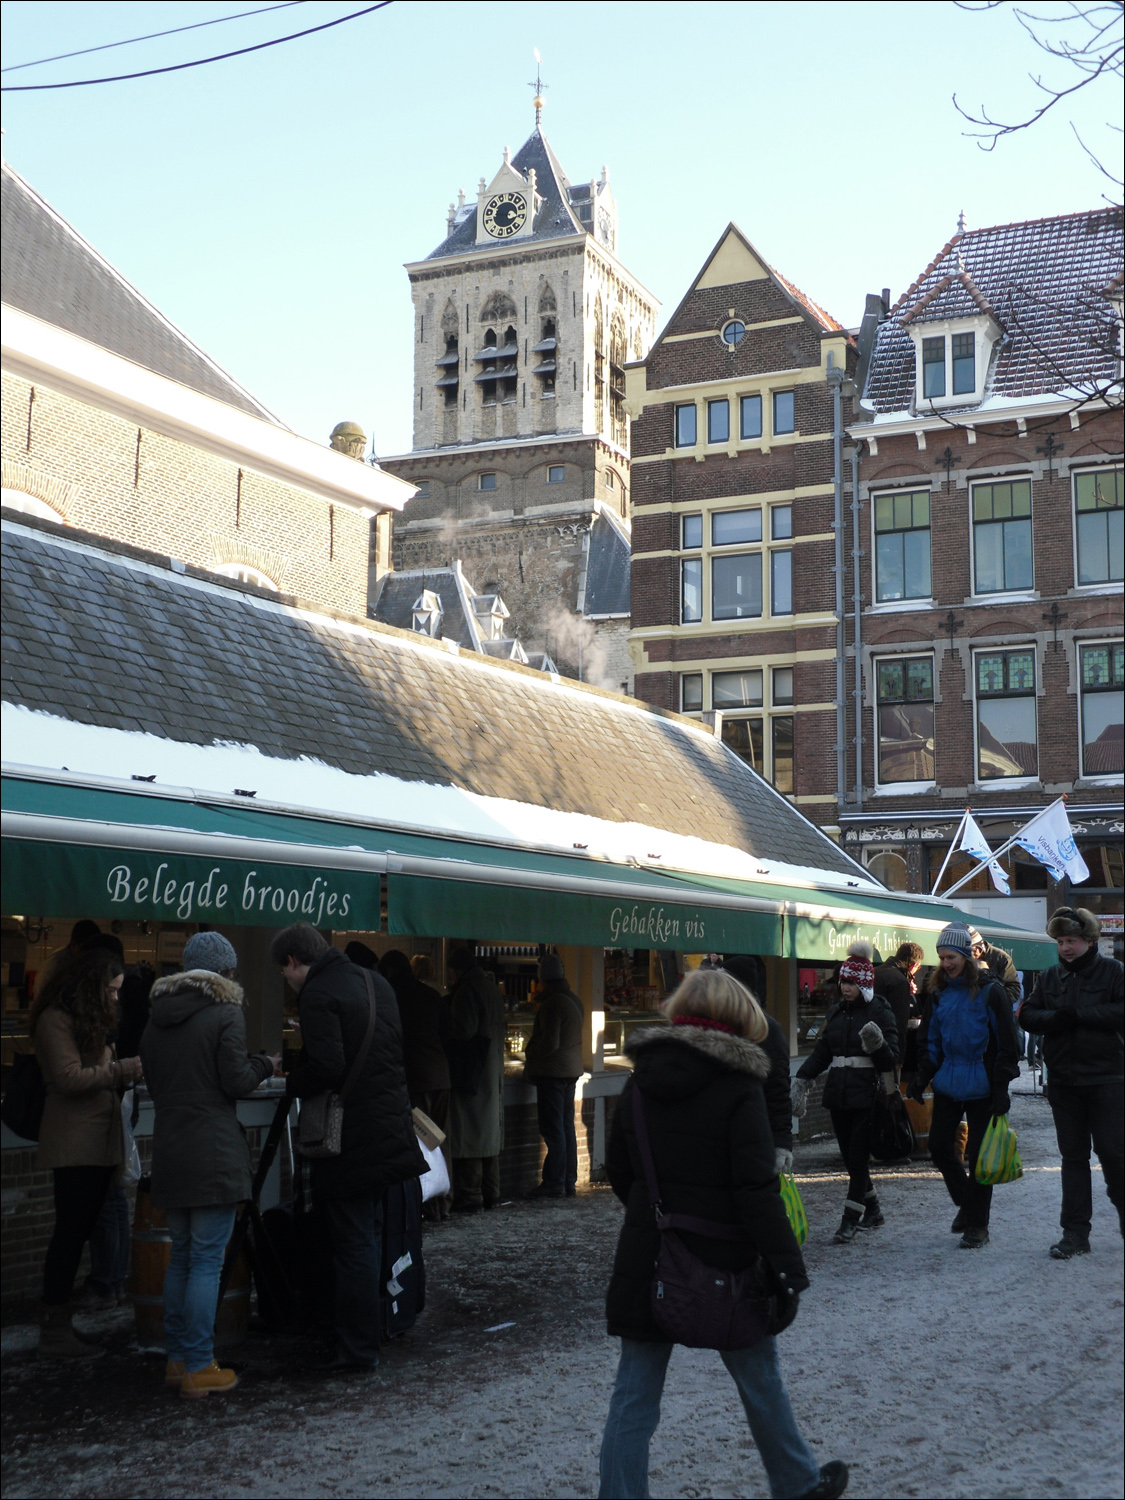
[191, 1283]
[634, 1411]
[554, 1100]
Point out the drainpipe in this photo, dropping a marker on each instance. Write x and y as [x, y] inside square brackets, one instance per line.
[857, 628]
[835, 378]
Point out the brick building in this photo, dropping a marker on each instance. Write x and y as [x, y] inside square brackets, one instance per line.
[987, 617]
[524, 321]
[738, 414]
[114, 422]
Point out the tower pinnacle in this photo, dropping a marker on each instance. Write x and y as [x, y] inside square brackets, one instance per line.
[538, 87]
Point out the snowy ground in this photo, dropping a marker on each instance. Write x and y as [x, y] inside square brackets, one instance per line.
[932, 1371]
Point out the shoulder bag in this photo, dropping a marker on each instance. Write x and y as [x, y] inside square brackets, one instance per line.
[320, 1126]
[25, 1097]
[694, 1304]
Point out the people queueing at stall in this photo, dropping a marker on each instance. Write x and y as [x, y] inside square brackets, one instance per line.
[553, 1063]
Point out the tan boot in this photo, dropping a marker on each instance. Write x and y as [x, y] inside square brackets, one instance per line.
[199, 1383]
[58, 1340]
[174, 1372]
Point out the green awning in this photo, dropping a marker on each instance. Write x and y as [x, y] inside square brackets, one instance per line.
[72, 848]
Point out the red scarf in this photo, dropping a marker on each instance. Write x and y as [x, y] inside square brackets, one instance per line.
[703, 1023]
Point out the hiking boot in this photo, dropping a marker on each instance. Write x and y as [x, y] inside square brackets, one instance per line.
[199, 1383]
[545, 1190]
[959, 1226]
[974, 1238]
[1073, 1243]
[873, 1217]
[847, 1232]
[833, 1481]
[174, 1372]
[57, 1338]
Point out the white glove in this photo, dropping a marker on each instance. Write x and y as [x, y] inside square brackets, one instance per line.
[798, 1096]
[871, 1037]
[782, 1161]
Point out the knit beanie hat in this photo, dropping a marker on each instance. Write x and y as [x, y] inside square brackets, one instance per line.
[551, 967]
[956, 938]
[209, 950]
[860, 972]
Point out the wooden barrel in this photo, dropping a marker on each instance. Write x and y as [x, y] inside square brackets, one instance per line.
[920, 1116]
[152, 1250]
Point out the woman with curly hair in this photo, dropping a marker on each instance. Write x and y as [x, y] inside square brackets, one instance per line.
[81, 1138]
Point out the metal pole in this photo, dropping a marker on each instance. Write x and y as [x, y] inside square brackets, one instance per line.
[1003, 849]
[835, 378]
[949, 852]
[857, 630]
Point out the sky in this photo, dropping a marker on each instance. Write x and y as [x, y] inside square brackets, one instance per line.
[267, 203]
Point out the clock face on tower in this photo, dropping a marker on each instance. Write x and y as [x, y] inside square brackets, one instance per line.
[504, 215]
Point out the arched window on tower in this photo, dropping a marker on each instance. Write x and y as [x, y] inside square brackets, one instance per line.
[499, 353]
[449, 362]
[618, 354]
[599, 367]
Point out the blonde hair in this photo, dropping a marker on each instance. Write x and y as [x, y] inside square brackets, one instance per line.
[715, 995]
[422, 966]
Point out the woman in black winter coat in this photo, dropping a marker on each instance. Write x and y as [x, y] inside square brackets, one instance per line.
[859, 1041]
[700, 1085]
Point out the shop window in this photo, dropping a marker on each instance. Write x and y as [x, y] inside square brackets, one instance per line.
[783, 415]
[733, 527]
[1099, 525]
[685, 426]
[556, 474]
[1002, 537]
[781, 522]
[1006, 719]
[902, 546]
[890, 868]
[691, 532]
[737, 689]
[782, 685]
[718, 421]
[905, 713]
[691, 692]
[1102, 676]
[691, 590]
[781, 583]
[933, 367]
[750, 417]
[736, 586]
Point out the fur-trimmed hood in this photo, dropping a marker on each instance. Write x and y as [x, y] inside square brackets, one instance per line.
[178, 996]
[676, 1060]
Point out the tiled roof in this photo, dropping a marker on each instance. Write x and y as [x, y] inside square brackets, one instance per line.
[51, 273]
[607, 569]
[1044, 281]
[554, 219]
[825, 319]
[396, 593]
[100, 637]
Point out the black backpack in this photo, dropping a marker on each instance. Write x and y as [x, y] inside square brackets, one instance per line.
[24, 1098]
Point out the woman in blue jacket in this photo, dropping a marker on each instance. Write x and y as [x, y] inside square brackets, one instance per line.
[971, 1054]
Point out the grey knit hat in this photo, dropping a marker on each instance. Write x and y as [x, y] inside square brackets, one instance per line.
[209, 950]
[956, 938]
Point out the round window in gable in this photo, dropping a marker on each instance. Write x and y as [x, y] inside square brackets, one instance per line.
[733, 332]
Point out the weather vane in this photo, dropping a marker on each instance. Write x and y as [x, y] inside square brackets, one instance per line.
[538, 86]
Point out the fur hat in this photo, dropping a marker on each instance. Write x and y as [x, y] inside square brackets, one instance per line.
[1074, 921]
[209, 950]
[956, 938]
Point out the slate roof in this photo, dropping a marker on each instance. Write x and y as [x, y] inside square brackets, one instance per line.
[396, 592]
[607, 569]
[1044, 281]
[554, 219]
[49, 271]
[93, 635]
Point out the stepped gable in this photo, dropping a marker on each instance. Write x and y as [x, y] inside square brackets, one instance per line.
[112, 637]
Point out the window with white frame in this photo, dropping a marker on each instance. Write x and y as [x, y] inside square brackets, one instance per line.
[1099, 525]
[902, 546]
[904, 688]
[765, 739]
[952, 359]
[1002, 559]
[1101, 673]
[1007, 738]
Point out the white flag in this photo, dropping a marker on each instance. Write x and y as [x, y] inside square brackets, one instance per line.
[1049, 839]
[974, 842]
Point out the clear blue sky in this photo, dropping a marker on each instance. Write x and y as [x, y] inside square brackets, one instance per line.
[266, 204]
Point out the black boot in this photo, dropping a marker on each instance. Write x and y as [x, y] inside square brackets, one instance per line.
[958, 1225]
[849, 1228]
[1073, 1243]
[974, 1238]
[872, 1215]
[833, 1481]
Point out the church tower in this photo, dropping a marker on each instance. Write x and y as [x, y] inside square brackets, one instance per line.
[524, 321]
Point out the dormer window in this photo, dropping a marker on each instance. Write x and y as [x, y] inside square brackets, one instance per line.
[428, 614]
[952, 359]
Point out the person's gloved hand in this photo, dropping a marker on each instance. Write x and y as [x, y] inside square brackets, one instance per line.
[782, 1161]
[788, 1302]
[798, 1096]
[1001, 1102]
[917, 1090]
[871, 1038]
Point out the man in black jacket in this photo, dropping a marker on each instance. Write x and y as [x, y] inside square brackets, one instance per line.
[378, 1146]
[1079, 1008]
[893, 982]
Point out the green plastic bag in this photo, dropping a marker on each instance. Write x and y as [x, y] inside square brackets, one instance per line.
[998, 1159]
[794, 1208]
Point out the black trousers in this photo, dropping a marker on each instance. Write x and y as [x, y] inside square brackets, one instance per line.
[853, 1133]
[79, 1195]
[1084, 1115]
[554, 1102]
[355, 1231]
[960, 1178]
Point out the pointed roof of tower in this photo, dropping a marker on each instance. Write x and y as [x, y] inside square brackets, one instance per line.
[555, 217]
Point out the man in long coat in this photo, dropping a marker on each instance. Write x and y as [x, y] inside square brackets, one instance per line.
[474, 1031]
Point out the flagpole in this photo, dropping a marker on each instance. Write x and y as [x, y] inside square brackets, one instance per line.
[1003, 849]
[949, 852]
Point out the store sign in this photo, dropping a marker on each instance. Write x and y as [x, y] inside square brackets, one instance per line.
[71, 880]
[640, 926]
[826, 938]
